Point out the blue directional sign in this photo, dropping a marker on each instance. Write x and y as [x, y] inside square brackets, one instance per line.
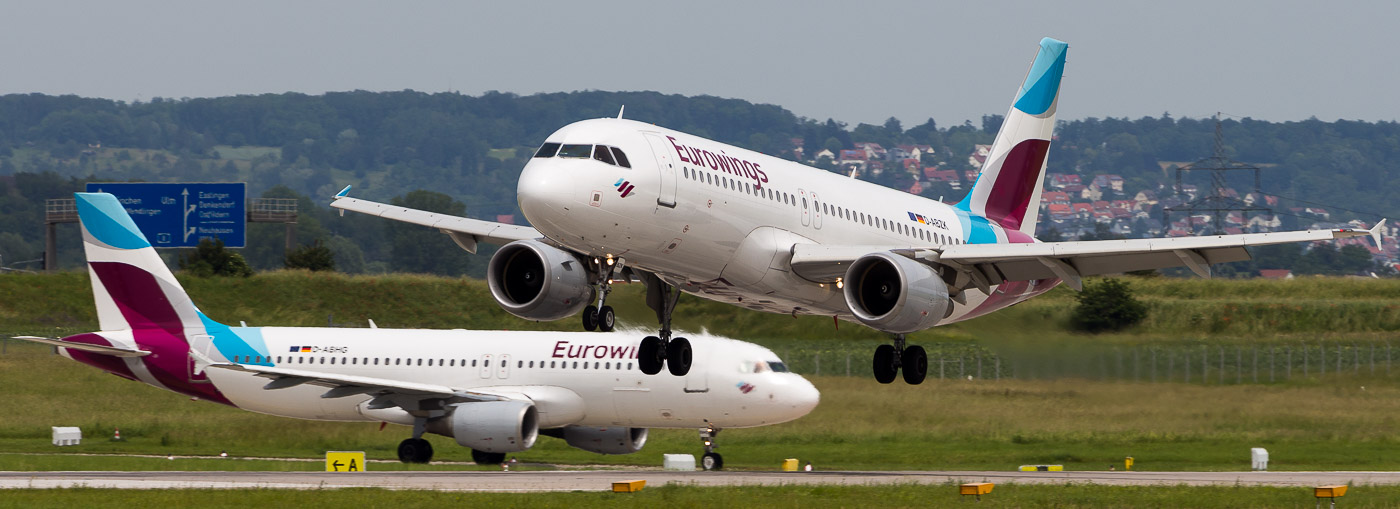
[180, 214]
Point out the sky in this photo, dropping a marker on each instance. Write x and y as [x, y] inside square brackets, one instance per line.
[850, 61]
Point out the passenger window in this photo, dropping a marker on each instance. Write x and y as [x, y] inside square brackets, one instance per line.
[601, 153]
[547, 150]
[621, 158]
[578, 151]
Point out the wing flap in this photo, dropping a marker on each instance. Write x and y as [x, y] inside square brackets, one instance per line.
[466, 232]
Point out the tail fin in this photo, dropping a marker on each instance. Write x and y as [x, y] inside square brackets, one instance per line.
[131, 284]
[1008, 188]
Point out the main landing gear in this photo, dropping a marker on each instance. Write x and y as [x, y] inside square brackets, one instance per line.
[416, 449]
[656, 351]
[890, 359]
[602, 317]
[711, 460]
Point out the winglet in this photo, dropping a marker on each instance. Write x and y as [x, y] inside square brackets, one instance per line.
[1376, 232]
[343, 192]
[620, 110]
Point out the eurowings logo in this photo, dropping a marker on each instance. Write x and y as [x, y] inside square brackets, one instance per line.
[624, 187]
[745, 387]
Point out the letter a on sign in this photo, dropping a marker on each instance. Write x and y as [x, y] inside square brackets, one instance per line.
[345, 461]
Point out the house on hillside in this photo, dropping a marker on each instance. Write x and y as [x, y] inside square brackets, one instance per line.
[979, 155]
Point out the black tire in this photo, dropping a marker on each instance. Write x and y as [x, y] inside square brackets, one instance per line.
[590, 318]
[914, 364]
[415, 450]
[712, 461]
[488, 458]
[650, 355]
[606, 319]
[678, 356]
[884, 364]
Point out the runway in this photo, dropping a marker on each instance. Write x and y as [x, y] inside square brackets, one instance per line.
[601, 480]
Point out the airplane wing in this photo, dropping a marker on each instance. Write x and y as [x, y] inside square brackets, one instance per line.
[988, 264]
[386, 392]
[85, 347]
[465, 232]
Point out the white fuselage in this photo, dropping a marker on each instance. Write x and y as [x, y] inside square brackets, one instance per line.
[717, 220]
[574, 378]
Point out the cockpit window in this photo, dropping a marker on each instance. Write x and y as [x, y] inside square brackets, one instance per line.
[547, 150]
[601, 153]
[582, 151]
[621, 158]
[777, 367]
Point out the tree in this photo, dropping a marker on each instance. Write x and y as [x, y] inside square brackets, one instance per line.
[315, 257]
[210, 258]
[419, 249]
[1106, 306]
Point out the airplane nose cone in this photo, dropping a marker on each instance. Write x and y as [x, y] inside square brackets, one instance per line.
[542, 193]
[805, 397]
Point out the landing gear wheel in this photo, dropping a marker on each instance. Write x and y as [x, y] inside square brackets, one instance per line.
[590, 318]
[488, 458]
[712, 461]
[678, 355]
[915, 365]
[415, 450]
[650, 355]
[606, 318]
[884, 364]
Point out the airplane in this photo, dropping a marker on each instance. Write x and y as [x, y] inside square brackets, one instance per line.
[492, 391]
[613, 199]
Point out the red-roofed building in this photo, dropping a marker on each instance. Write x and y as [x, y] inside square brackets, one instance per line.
[1055, 197]
[979, 154]
[1061, 211]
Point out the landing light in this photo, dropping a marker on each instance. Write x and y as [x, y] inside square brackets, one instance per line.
[839, 284]
[610, 260]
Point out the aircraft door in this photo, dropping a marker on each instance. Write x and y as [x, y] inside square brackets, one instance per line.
[698, 379]
[666, 164]
[803, 202]
[816, 211]
[503, 372]
[486, 366]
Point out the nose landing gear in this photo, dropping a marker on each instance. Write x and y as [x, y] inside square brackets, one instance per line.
[890, 359]
[601, 317]
[711, 460]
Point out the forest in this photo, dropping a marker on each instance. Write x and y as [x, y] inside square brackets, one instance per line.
[461, 154]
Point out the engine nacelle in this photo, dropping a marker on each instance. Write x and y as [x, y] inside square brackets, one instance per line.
[536, 281]
[895, 294]
[605, 440]
[496, 426]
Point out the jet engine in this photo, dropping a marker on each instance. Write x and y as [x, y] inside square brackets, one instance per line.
[536, 281]
[602, 440]
[495, 426]
[895, 294]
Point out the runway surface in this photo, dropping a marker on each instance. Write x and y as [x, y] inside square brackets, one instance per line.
[601, 480]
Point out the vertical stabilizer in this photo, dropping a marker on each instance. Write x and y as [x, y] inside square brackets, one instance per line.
[1008, 188]
[131, 285]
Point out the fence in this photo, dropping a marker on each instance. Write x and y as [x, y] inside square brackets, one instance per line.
[1206, 364]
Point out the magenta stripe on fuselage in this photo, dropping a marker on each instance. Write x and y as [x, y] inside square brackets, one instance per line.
[155, 326]
[1020, 172]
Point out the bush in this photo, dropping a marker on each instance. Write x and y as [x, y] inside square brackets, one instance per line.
[210, 258]
[1108, 305]
[314, 257]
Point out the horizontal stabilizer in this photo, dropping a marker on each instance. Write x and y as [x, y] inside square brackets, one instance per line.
[85, 347]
